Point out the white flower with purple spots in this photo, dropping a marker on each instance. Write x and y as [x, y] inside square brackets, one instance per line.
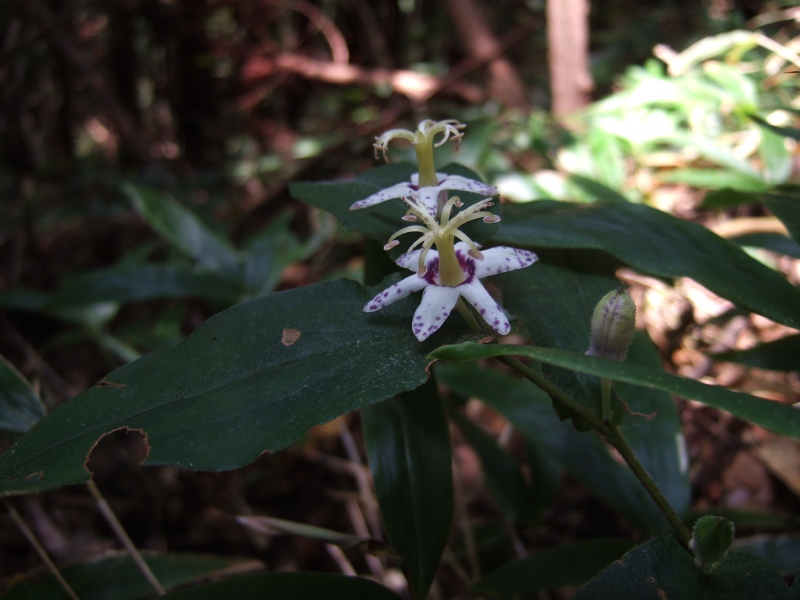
[427, 187]
[438, 300]
[427, 196]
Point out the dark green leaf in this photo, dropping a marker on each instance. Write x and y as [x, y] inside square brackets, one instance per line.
[780, 418]
[769, 241]
[183, 229]
[787, 208]
[287, 586]
[660, 569]
[597, 189]
[780, 355]
[501, 472]
[250, 379]
[20, 407]
[117, 578]
[789, 132]
[726, 198]
[568, 564]
[781, 551]
[530, 411]
[136, 283]
[408, 447]
[655, 243]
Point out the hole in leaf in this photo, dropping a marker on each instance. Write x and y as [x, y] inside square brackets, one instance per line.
[290, 336]
[123, 445]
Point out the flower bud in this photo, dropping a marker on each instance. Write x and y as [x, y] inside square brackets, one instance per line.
[711, 539]
[613, 324]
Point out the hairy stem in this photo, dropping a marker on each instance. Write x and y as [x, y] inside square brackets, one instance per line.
[612, 433]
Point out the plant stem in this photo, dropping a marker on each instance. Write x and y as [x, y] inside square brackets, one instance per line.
[621, 444]
[122, 536]
[31, 537]
[612, 433]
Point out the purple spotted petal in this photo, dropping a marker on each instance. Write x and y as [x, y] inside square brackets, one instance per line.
[400, 190]
[429, 198]
[456, 182]
[437, 302]
[399, 290]
[410, 260]
[502, 259]
[474, 293]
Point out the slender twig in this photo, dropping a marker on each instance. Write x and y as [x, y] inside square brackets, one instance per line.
[612, 433]
[31, 537]
[122, 536]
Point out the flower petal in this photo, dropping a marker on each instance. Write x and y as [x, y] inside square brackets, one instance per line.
[410, 260]
[396, 292]
[437, 303]
[399, 190]
[457, 182]
[474, 293]
[502, 259]
[428, 197]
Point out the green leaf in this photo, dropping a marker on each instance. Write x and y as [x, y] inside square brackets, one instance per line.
[530, 411]
[287, 586]
[774, 242]
[501, 472]
[656, 243]
[565, 324]
[568, 564]
[408, 447]
[382, 220]
[656, 439]
[726, 198]
[183, 229]
[250, 379]
[775, 157]
[116, 577]
[20, 407]
[789, 132]
[715, 179]
[780, 418]
[596, 189]
[137, 283]
[779, 355]
[781, 551]
[660, 569]
[787, 208]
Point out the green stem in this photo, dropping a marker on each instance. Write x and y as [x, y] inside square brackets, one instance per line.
[425, 164]
[605, 392]
[621, 444]
[612, 433]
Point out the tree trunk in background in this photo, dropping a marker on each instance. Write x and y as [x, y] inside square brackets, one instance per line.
[479, 42]
[568, 52]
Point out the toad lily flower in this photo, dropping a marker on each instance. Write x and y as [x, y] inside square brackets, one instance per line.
[439, 299]
[429, 187]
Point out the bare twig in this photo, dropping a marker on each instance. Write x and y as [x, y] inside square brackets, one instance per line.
[31, 537]
[123, 537]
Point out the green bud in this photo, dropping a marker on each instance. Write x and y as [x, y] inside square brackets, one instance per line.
[711, 539]
[613, 324]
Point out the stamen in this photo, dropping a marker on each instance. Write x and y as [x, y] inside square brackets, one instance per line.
[391, 245]
[408, 217]
[447, 208]
[491, 219]
[473, 247]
